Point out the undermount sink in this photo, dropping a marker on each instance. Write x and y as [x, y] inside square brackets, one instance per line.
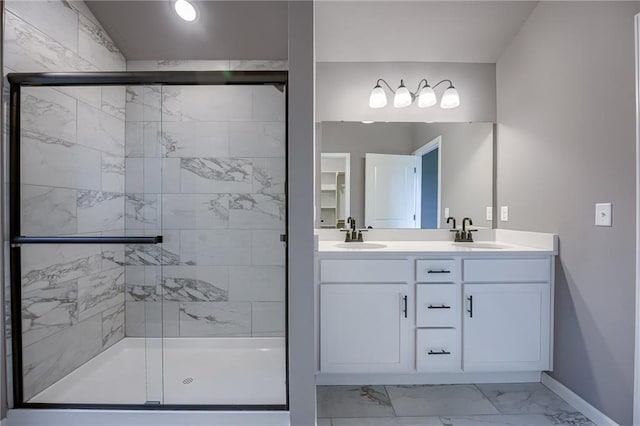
[481, 245]
[361, 246]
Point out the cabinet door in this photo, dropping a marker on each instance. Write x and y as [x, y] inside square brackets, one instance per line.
[506, 327]
[364, 328]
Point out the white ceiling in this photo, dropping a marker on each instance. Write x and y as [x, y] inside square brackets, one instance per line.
[235, 29]
[351, 31]
[417, 31]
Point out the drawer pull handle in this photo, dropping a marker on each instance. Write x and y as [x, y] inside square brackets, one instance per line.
[438, 271]
[442, 352]
[405, 306]
[438, 307]
[470, 310]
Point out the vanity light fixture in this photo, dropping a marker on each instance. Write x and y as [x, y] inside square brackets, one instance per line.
[426, 95]
[185, 10]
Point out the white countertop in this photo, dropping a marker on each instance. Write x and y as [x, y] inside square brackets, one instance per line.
[448, 247]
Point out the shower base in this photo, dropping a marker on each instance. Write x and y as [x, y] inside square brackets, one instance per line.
[209, 371]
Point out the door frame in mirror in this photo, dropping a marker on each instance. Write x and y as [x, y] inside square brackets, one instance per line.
[433, 144]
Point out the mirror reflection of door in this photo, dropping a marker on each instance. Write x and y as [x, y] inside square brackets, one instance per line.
[392, 191]
[404, 190]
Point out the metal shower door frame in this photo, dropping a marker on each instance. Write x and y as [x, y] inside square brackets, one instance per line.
[16, 240]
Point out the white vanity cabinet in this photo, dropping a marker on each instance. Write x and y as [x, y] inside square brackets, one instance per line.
[434, 317]
[506, 327]
[438, 347]
[364, 316]
[507, 314]
[363, 328]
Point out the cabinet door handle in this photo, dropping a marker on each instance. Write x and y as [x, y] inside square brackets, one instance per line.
[438, 307]
[441, 352]
[470, 310]
[405, 306]
[438, 271]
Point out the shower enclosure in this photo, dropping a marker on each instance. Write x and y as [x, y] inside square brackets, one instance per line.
[148, 240]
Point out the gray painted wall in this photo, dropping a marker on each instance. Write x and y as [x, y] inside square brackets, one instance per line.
[566, 141]
[467, 168]
[302, 389]
[343, 89]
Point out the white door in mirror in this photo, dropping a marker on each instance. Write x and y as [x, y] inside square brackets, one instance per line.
[392, 195]
[603, 214]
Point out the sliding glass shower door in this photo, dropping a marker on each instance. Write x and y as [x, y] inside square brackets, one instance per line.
[148, 227]
[223, 221]
[83, 216]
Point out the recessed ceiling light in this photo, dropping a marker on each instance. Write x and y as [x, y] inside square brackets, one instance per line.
[367, 122]
[185, 10]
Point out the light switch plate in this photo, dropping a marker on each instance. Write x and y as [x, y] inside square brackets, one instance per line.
[504, 213]
[489, 213]
[603, 214]
[446, 212]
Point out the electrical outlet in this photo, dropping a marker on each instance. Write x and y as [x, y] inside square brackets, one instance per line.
[603, 214]
[489, 213]
[446, 212]
[504, 213]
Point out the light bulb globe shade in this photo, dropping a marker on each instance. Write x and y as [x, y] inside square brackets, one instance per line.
[450, 98]
[185, 10]
[427, 97]
[378, 98]
[402, 98]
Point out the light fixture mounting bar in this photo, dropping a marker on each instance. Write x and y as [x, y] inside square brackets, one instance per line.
[386, 84]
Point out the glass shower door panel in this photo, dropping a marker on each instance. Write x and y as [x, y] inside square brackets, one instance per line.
[71, 283]
[144, 264]
[224, 211]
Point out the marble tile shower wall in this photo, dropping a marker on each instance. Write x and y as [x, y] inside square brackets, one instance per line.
[73, 184]
[207, 163]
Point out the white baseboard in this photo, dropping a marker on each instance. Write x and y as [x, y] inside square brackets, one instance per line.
[595, 415]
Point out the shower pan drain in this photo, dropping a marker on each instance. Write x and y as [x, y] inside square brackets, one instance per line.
[187, 381]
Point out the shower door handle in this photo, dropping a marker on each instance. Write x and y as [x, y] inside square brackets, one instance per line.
[87, 240]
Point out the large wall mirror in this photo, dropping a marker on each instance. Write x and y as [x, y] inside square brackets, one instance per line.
[405, 175]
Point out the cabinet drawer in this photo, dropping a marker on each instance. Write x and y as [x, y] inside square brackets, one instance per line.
[438, 350]
[364, 271]
[506, 270]
[437, 305]
[436, 271]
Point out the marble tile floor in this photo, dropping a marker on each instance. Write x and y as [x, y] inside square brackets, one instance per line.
[512, 404]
